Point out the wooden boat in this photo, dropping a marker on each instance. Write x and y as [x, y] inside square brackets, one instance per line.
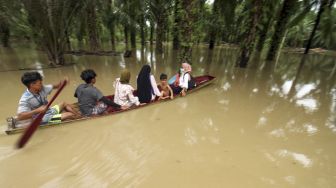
[14, 126]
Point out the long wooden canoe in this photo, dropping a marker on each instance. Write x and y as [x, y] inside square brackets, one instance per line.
[14, 126]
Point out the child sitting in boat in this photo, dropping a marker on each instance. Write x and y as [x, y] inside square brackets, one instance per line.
[166, 91]
[123, 94]
[34, 101]
[184, 81]
[90, 100]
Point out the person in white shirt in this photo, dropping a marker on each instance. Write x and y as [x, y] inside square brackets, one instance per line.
[147, 89]
[184, 82]
[123, 94]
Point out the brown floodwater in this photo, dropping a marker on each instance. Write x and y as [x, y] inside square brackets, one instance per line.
[265, 126]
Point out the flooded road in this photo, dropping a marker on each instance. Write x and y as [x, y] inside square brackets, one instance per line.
[265, 126]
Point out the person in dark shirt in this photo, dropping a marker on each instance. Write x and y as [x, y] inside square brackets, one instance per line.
[91, 101]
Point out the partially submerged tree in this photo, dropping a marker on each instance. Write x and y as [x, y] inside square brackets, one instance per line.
[187, 19]
[176, 24]
[323, 5]
[247, 44]
[214, 26]
[92, 25]
[159, 11]
[49, 21]
[280, 27]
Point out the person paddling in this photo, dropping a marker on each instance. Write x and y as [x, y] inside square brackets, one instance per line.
[34, 101]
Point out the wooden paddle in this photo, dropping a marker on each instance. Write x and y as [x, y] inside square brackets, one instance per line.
[37, 121]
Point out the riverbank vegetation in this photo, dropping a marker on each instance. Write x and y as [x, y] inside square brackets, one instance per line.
[256, 26]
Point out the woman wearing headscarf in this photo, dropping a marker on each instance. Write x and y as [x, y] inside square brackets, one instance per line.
[185, 81]
[123, 94]
[147, 88]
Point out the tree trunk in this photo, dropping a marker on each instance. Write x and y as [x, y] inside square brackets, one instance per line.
[133, 37]
[324, 3]
[280, 28]
[5, 34]
[212, 42]
[126, 37]
[68, 43]
[151, 36]
[142, 31]
[176, 31]
[166, 31]
[92, 26]
[214, 26]
[112, 37]
[159, 34]
[81, 32]
[55, 55]
[111, 23]
[281, 45]
[250, 35]
[187, 28]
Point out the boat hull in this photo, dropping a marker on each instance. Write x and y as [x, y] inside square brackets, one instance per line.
[13, 126]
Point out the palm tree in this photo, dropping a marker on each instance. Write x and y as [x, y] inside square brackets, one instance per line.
[326, 34]
[323, 5]
[214, 24]
[280, 27]
[11, 17]
[188, 13]
[229, 16]
[124, 19]
[267, 19]
[92, 25]
[4, 31]
[176, 31]
[133, 11]
[110, 18]
[248, 43]
[159, 9]
[299, 24]
[49, 21]
[4, 25]
[142, 21]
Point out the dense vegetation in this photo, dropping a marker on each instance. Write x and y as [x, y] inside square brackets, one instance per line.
[255, 25]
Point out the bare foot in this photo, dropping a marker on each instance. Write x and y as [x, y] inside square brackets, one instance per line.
[124, 107]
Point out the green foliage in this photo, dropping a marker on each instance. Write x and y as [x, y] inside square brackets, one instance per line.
[50, 23]
[326, 35]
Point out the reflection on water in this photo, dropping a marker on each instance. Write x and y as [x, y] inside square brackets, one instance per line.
[301, 158]
[257, 127]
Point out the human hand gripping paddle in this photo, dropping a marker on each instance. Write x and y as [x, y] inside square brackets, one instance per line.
[36, 122]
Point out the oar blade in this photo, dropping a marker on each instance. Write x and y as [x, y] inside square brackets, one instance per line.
[29, 131]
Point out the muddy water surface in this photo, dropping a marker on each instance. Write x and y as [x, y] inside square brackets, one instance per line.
[265, 126]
